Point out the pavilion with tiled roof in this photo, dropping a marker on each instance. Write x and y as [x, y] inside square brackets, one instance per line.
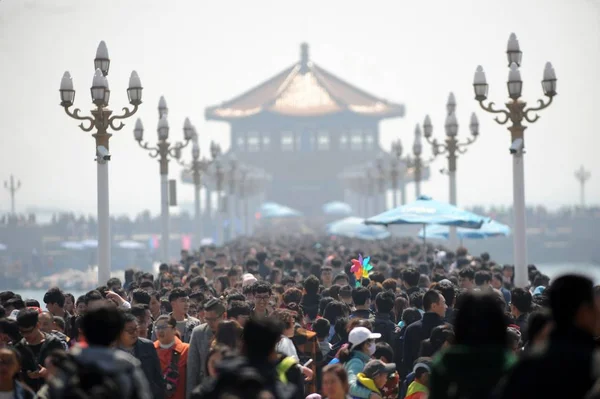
[304, 127]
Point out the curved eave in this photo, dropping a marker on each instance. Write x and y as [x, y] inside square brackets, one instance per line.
[392, 111]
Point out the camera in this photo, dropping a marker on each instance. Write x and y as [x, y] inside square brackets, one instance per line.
[516, 146]
[103, 153]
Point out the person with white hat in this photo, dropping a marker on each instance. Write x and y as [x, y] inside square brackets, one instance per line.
[361, 346]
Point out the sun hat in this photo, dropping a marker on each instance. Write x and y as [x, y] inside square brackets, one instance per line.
[359, 335]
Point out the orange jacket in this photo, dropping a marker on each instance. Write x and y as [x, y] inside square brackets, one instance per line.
[164, 355]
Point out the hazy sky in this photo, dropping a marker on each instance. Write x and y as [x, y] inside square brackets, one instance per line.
[199, 53]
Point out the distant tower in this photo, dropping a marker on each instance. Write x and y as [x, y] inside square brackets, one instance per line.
[12, 187]
[582, 177]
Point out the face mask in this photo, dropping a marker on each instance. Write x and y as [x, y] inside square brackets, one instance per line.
[372, 348]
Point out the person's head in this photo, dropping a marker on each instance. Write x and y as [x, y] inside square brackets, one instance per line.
[113, 283]
[410, 277]
[10, 364]
[180, 302]
[483, 278]
[384, 352]
[471, 329]
[514, 339]
[239, 311]
[197, 284]
[32, 303]
[69, 303]
[154, 304]
[361, 297]
[102, 325]
[434, 302]
[262, 293]
[229, 333]
[497, 280]
[166, 281]
[341, 279]
[9, 332]
[390, 285]
[142, 315]
[94, 299]
[466, 278]
[80, 305]
[58, 324]
[422, 369]
[448, 291]
[572, 303]
[440, 338]
[287, 318]
[54, 300]
[140, 296]
[327, 275]
[321, 327]
[379, 372]
[214, 312]
[362, 339]
[410, 315]
[260, 338]
[345, 294]
[165, 328]
[292, 295]
[221, 284]
[335, 310]
[311, 285]
[384, 302]
[520, 301]
[29, 324]
[335, 382]
[46, 322]
[130, 333]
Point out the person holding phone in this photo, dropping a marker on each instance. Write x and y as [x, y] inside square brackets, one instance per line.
[34, 348]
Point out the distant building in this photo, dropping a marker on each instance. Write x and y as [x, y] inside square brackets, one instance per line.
[304, 127]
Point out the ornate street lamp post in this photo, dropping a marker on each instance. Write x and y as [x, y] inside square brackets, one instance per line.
[12, 188]
[101, 120]
[163, 151]
[516, 111]
[582, 177]
[452, 147]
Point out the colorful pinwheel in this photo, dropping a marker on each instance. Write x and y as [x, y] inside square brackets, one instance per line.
[361, 268]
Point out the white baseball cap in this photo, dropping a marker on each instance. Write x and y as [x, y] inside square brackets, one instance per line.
[359, 335]
[248, 279]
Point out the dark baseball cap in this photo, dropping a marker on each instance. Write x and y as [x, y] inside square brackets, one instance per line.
[376, 367]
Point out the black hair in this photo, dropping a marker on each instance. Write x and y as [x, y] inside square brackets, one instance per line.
[59, 321]
[238, 308]
[411, 277]
[139, 310]
[383, 349]
[199, 296]
[429, 298]
[114, 281]
[10, 328]
[321, 328]
[467, 273]
[439, 335]
[93, 296]
[292, 295]
[325, 300]
[16, 303]
[536, 322]
[32, 303]
[334, 310]
[410, 315]
[360, 296]
[177, 293]
[448, 291]
[260, 337]
[102, 326]
[416, 300]
[56, 296]
[27, 318]
[471, 329]
[385, 302]
[482, 277]
[311, 285]
[567, 294]
[341, 276]
[141, 296]
[521, 299]
[374, 289]
[262, 287]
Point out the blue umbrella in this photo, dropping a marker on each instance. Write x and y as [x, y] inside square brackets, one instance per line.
[272, 210]
[487, 230]
[354, 227]
[427, 211]
[337, 208]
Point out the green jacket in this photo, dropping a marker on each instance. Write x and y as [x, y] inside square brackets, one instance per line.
[468, 372]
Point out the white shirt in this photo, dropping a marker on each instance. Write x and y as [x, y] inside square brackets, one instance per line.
[285, 346]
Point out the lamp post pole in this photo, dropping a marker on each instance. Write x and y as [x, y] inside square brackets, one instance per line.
[232, 176]
[163, 151]
[219, 219]
[102, 120]
[12, 189]
[452, 147]
[516, 111]
[582, 177]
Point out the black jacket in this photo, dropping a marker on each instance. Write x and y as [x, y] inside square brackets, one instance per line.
[30, 362]
[563, 368]
[384, 325]
[415, 334]
[363, 314]
[144, 351]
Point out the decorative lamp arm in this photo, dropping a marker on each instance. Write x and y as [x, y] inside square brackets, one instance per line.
[490, 108]
[154, 151]
[126, 114]
[534, 109]
[75, 115]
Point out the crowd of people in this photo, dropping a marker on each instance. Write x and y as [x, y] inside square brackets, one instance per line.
[289, 317]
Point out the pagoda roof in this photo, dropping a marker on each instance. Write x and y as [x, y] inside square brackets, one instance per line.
[304, 90]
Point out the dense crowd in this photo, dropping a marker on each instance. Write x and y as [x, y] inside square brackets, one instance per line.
[290, 317]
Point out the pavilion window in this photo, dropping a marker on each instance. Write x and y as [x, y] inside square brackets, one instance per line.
[240, 143]
[323, 141]
[287, 141]
[344, 141]
[253, 142]
[266, 142]
[356, 140]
